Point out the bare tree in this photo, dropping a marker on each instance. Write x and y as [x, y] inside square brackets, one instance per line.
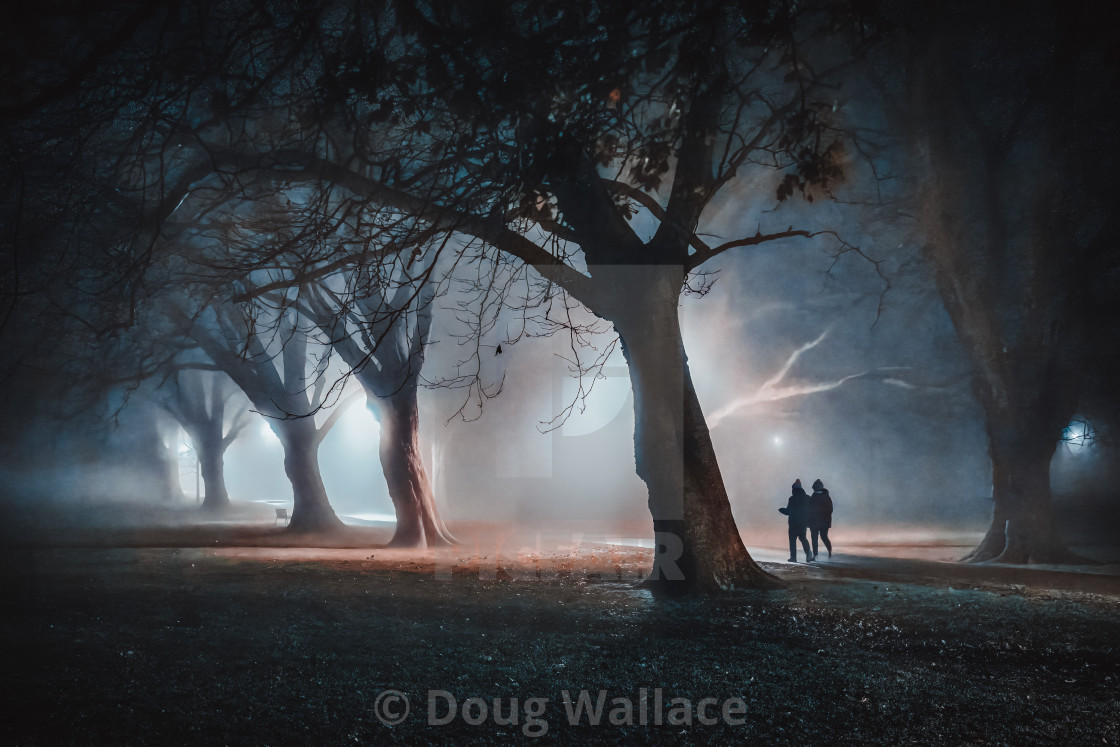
[286, 394]
[385, 351]
[198, 400]
[586, 148]
[552, 177]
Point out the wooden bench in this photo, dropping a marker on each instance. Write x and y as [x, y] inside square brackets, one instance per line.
[281, 513]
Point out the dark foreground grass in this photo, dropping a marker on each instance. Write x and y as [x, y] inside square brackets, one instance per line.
[159, 646]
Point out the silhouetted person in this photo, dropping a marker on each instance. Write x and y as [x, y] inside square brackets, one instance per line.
[820, 516]
[798, 512]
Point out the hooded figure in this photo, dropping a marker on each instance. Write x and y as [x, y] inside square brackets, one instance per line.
[820, 516]
[798, 512]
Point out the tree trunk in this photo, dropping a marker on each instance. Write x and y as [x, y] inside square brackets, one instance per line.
[211, 460]
[1005, 259]
[1022, 529]
[418, 520]
[698, 546]
[311, 511]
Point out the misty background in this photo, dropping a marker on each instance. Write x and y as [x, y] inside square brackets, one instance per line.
[807, 366]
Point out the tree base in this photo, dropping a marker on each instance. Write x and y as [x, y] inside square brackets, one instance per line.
[430, 542]
[1055, 555]
[990, 547]
[685, 564]
[1041, 547]
[215, 507]
[302, 524]
[752, 580]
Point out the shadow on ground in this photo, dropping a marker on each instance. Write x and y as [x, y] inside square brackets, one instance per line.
[223, 643]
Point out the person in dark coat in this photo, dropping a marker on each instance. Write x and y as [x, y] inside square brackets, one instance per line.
[820, 516]
[798, 512]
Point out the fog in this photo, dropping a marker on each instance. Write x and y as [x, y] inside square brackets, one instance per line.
[800, 373]
[807, 366]
[808, 362]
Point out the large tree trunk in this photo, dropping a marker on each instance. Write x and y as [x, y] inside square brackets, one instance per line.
[698, 544]
[211, 460]
[1002, 227]
[418, 520]
[311, 511]
[1022, 529]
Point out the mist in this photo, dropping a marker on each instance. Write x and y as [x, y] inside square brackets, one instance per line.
[807, 365]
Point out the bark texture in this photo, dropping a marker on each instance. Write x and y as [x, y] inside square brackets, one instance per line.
[385, 349]
[311, 510]
[418, 521]
[698, 543]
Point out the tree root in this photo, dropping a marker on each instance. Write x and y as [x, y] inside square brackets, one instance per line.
[995, 548]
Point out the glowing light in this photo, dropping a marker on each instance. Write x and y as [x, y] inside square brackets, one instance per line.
[777, 440]
[267, 433]
[770, 389]
[356, 431]
[184, 448]
[773, 389]
[359, 424]
[1077, 435]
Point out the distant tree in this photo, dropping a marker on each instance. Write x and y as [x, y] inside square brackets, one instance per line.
[385, 350]
[137, 445]
[372, 306]
[288, 395]
[198, 401]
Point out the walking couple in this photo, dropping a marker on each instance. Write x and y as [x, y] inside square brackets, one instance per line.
[812, 512]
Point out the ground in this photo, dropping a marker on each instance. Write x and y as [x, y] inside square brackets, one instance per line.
[239, 642]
